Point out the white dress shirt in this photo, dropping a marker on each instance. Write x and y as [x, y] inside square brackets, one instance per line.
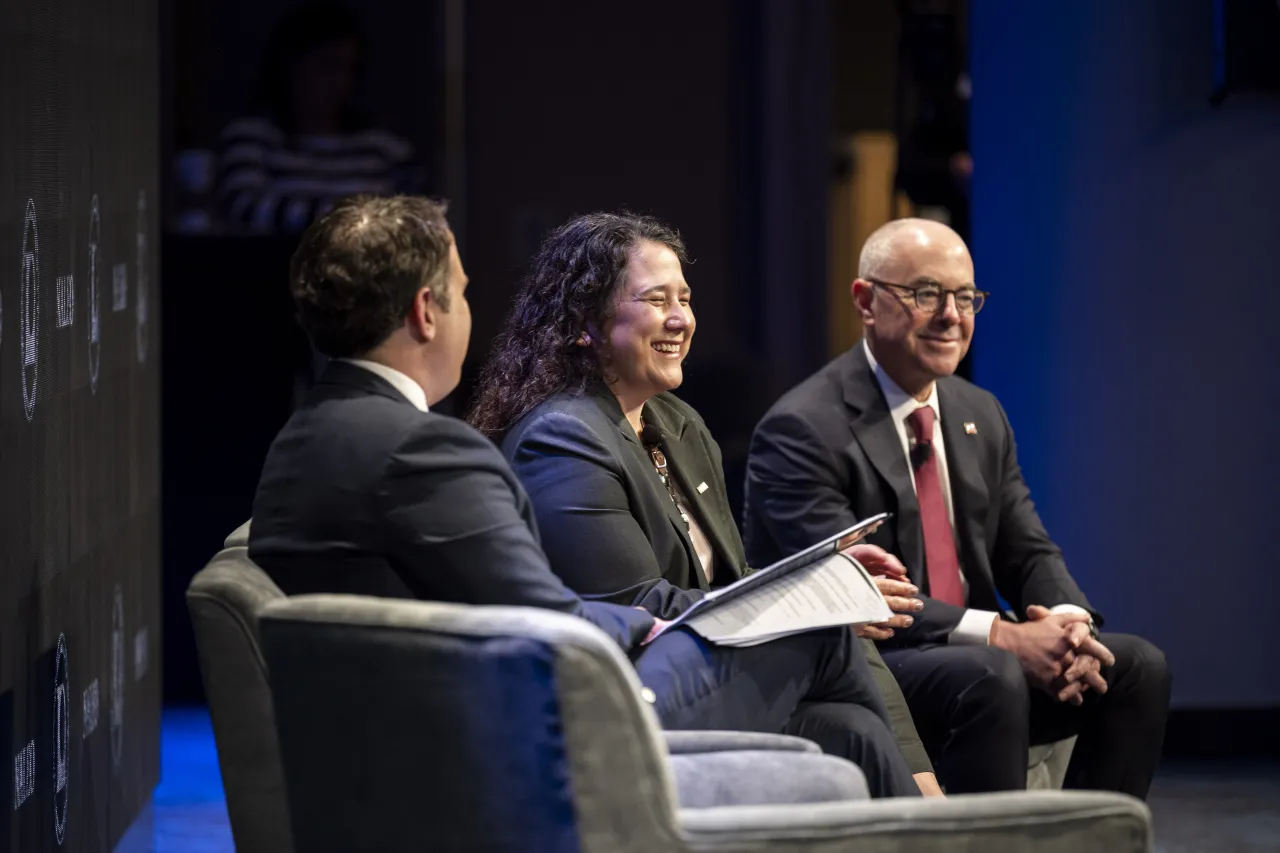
[975, 625]
[409, 388]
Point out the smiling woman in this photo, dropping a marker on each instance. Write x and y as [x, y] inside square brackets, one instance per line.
[577, 391]
[648, 338]
[601, 285]
[625, 479]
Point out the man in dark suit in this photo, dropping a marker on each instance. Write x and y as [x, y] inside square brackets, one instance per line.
[886, 426]
[367, 491]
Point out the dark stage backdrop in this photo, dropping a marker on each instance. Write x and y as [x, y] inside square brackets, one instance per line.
[1126, 229]
[79, 421]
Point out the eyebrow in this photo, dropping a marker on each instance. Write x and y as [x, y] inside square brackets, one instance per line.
[924, 279]
[657, 288]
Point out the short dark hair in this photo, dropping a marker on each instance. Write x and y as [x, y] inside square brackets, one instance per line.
[357, 269]
[571, 288]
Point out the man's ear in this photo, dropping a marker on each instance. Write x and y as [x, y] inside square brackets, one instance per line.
[423, 316]
[862, 293]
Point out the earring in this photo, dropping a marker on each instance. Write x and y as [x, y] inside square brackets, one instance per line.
[584, 340]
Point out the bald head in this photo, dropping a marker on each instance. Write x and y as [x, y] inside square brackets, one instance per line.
[895, 243]
[915, 341]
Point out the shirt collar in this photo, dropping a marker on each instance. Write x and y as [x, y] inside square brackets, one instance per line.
[411, 390]
[901, 404]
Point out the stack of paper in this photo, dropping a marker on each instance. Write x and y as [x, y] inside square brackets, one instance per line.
[834, 591]
[820, 587]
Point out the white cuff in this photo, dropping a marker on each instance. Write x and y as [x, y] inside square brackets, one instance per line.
[974, 628]
[1070, 608]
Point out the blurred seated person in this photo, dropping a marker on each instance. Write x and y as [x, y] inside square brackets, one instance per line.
[367, 491]
[308, 144]
[625, 480]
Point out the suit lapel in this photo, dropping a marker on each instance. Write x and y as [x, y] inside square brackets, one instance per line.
[610, 404]
[969, 496]
[689, 462]
[875, 433]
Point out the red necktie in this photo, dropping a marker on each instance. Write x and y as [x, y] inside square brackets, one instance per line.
[939, 543]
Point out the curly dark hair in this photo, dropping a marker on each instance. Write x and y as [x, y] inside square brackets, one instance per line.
[571, 288]
[357, 269]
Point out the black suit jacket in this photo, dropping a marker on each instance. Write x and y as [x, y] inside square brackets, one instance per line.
[609, 527]
[828, 453]
[363, 493]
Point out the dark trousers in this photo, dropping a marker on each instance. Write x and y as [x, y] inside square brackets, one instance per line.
[815, 685]
[977, 716]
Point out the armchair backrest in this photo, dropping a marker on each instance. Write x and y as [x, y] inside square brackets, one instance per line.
[224, 600]
[409, 725]
[239, 536]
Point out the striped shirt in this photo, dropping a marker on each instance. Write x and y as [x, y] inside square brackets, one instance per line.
[270, 181]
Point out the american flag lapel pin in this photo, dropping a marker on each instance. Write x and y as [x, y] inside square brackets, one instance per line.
[970, 428]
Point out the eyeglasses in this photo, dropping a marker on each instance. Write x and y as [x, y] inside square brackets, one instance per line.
[930, 297]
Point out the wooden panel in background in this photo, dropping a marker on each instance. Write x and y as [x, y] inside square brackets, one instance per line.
[862, 199]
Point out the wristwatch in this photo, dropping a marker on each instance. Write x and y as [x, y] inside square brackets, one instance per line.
[1093, 630]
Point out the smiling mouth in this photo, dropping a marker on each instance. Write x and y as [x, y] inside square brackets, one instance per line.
[939, 340]
[667, 348]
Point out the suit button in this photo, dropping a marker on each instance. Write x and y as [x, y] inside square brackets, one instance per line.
[648, 695]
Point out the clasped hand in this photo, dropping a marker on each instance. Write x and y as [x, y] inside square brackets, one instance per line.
[1057, 652]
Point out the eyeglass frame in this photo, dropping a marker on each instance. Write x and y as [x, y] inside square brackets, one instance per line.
[915, 291]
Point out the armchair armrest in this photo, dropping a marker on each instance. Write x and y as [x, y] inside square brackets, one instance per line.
[1045, 822]
[685, 743]
[744, 777]
[724, 768]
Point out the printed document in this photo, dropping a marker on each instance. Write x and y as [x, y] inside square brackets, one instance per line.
[818, 588]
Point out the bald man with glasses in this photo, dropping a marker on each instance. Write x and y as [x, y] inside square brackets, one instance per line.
[888, 426]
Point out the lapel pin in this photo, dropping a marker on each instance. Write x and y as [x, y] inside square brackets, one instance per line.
[970, 428]
[702, 487]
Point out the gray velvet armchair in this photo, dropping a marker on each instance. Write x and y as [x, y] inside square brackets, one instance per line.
[412, 725]
[227, 596]
[1046, 763]
[224, 599]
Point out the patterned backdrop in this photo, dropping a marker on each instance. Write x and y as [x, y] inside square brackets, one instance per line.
[79, 421]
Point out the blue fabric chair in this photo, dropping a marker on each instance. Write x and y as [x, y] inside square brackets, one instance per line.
[410, 725]
[224, 600]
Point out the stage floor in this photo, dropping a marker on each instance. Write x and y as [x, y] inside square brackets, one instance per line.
[1198, 806]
